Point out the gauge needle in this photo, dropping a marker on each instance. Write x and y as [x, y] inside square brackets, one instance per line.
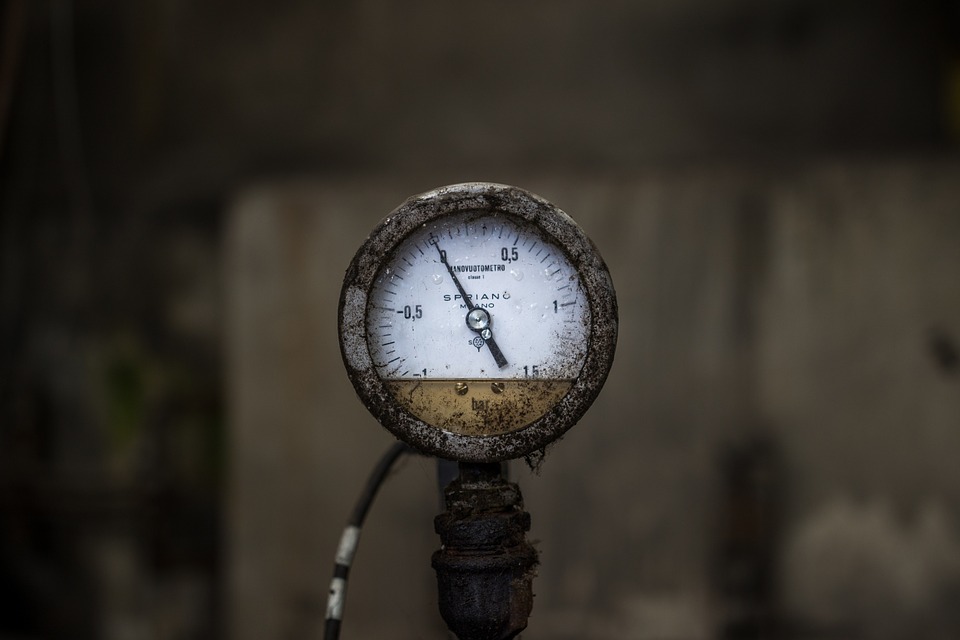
[478, 319]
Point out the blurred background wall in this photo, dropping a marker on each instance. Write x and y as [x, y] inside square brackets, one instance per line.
[774, 185]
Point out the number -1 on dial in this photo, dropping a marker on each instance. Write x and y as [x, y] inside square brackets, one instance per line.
[477, 321]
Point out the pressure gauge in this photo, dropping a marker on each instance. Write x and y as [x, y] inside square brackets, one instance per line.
[477, 322]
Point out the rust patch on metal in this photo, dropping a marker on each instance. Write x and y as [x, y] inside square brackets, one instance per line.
[485, 567]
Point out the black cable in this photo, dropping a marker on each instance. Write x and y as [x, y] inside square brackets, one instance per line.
[351, 537]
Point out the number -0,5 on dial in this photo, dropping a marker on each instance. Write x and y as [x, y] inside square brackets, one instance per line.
[477, 322]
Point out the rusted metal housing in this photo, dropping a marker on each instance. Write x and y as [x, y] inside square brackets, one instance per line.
[485, 567]
[484, 199]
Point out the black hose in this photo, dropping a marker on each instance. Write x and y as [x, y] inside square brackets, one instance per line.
[351, 538]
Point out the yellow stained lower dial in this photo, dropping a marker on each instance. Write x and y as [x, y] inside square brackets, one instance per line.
[479, 406]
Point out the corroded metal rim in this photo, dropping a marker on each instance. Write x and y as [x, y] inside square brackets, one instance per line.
[556, 226]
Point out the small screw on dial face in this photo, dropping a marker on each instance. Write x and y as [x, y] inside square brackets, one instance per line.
[478, 319]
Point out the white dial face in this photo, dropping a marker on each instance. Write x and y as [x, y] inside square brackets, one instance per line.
[477, 323]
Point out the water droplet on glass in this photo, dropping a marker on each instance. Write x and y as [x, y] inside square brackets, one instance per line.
[517, 274]
[437, 278]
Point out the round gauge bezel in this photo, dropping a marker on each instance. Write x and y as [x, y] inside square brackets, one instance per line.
[539, 217]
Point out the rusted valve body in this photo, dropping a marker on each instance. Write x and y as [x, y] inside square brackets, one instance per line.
[485, 566]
